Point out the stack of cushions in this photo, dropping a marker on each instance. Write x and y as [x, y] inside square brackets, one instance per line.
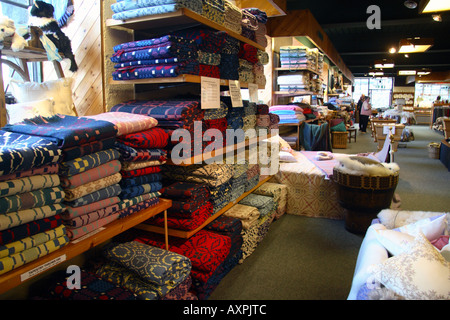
[405, 255]
[214, 10]
[86, 144]
[30, 200]
[171, 115]
[279, 194]
[338, 125]
[191, 206]
[233, 17]
[207, 250]
[124, 9]
[166, 56]
[149, 272]
[232, 228]
[288, 113]
[92, 287]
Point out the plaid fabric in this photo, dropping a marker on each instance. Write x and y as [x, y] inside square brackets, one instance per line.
[133, 154]
[32, 199]
[19, 152]
[93, 287]
[140, 180]
[126, 123]
[66, 131]
[95, 196]
[17, 260]
[27, 184]
[52, 168]
[87, 162]
[18, 218]
[81, 150]
[31, 241]
[72, 212]
[103, 170]
[29, 229]
[154, 138]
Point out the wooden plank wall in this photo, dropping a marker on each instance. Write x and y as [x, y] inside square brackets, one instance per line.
[84, 30]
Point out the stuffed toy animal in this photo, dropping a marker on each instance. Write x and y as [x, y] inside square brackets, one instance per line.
[8, 29]
[42, 17]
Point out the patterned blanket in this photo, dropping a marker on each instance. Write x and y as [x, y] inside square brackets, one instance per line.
[87, 162]
[20, 152]
[132, 9]
[95, 196]
[32, 199]
[133, 154]
[103, 170]
[154, 138]
[27, 184]
[17, 218]
[126, 123]
[73, 212]
[52, 168]
[66, 131]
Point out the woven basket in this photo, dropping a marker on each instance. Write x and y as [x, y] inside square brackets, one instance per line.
[339, 139]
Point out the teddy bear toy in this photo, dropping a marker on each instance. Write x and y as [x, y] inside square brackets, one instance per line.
[42, 17]
[8, 30]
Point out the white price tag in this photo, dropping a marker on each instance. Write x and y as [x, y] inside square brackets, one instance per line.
[210, 93]
[253, 92]
[235, 93]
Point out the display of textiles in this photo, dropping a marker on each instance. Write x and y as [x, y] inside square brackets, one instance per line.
[247, 214]
[288, 113]
[92, 287]
[279, 194]
[233, 17]
[297, 57]
[124, 10]
[126, 123]
[212, 175]
[214, 10]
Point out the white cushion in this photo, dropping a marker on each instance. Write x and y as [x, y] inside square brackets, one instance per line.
[394, 241]
[286, 157]
[419, 273]
[59, 90]
[19, 111]
[432, 228]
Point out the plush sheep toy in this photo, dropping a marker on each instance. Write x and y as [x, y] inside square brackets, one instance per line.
[8, 29]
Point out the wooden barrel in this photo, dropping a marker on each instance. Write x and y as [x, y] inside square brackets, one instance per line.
[363, 197]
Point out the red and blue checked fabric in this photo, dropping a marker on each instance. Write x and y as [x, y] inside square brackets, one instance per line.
[153, 138]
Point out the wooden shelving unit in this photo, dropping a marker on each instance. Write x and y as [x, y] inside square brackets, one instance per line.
[14, 277]
[188, 234]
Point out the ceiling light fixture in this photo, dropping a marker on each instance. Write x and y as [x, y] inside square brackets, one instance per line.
[406, 72]
[380, 64]
[392, 50]
[437, 17]
[414, 45]
[410, 4]
[428, 6]
[423, 72]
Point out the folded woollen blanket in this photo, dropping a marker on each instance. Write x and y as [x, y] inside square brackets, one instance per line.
[205, 249]
[185, 190]
[21, 152]
[88, 148]
[27, 184]
[66, 131]
[87, 162]
[153, 138]
[126, 123]
[103, 170]
[52, 168]
[135, 154]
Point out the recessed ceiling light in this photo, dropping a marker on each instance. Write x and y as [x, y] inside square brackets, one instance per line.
[437, 17]
[410, 4]
[379, 64]
[414, 45]
[406, 72]
[392, 50]
[428, 6]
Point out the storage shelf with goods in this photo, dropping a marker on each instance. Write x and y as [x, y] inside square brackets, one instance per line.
[27, 272]
[180, 23]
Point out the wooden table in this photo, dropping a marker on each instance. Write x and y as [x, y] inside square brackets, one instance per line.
[351, 134]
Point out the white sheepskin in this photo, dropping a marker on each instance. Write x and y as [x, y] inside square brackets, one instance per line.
[398, 218]
[354, 167]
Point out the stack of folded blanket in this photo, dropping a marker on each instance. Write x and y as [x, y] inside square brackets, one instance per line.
[262, 119]
[238, 181]
[85, 179]
[261, 31]
[30, 200]
[150, 272]
[206, 250]
[249, 24]
[249, 115]
[288, 113]
[296, 57]
[235, 116]
[253, 175]
[229, 227]
[233, 17]
[166, 56]
[279, 194]
[214, 10]
[191, 206]
[124, 9]
[299, 81]
[247, 214]
[141, 180]
[171, 115]
[209, 43]
[229, 59]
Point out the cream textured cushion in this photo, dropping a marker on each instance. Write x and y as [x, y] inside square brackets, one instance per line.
[59, 90]
[419, 273]
[19, 111]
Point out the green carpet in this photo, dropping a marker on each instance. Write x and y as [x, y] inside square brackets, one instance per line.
[305, 258]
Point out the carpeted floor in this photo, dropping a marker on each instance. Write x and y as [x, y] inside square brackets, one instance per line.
[313, 259]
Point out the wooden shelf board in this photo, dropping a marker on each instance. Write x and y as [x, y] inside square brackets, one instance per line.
[12, 278]
[171, 21]
[188, 234]
[293, 93]
[184, 78]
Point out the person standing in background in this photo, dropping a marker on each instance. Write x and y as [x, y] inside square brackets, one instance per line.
[358, 107]
[366, 111]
